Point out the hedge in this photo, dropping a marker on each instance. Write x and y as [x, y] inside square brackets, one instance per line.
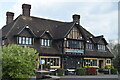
[81, 71]
[113, 71]
[60, 72]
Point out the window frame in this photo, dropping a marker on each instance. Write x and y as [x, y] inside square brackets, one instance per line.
[90, 62]
[101, 47]
[45, 42]
[75, 44]
[52, 61]
[25, 40]
[89, 46]
[108, 61]
[3, 42]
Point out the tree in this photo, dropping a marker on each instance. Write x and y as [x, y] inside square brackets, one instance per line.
[115, 49]
[113, 46]
[18, 62]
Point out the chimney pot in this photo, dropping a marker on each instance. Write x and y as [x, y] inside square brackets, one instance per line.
[26, 9]
[76, 18]
[9, 17]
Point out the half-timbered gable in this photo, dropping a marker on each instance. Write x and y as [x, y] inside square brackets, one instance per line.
[75, 34]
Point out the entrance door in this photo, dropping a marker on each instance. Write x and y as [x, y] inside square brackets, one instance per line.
[72, 62]
[100, 63]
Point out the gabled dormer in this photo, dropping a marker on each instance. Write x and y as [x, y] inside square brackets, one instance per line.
[89, 44]
[25, 36]
[45, 39]
[100, 43]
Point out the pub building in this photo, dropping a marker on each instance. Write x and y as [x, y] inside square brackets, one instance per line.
[61, 44]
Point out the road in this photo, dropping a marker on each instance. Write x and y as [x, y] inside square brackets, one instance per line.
[96, 77]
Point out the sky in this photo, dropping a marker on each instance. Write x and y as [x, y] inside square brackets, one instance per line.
[100, 17]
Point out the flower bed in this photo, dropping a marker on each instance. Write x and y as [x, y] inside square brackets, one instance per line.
[91, 70]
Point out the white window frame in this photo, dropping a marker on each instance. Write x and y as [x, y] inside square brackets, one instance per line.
[3, 42]
[101, 47]
[25, 40]
[45, 42]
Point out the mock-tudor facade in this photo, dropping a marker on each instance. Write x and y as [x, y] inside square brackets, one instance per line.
[61, 44]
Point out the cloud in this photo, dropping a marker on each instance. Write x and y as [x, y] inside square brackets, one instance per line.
[97, 16]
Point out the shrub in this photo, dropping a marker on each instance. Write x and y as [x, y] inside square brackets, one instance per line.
[107, 66]
[18, 62]
[85, 66]
[81, 71]
[46, 67]
[60, 72]
[91, 71]
[113, 71]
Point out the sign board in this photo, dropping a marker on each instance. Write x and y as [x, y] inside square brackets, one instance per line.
[42, 61]
[74, 50]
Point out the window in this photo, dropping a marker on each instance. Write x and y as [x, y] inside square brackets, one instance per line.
[108, 61]
[90, 62]
[3, 42]
[101, 47]
[89, 46]
[45, 42]
[25, 40]
[74, 44]
[52, 61]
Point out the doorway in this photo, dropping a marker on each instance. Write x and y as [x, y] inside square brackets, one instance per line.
[100, 63]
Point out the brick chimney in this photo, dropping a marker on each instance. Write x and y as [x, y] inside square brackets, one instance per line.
[9, 17]
[26, 9]
[76, 18]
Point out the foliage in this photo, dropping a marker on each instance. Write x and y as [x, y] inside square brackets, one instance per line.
[89, 66]
[81, 71]
[109, 67]
[18, 61]
[91, 71]
[113, 71]
[60, 72]
[115, 49]
[85, 66]
[46, 66]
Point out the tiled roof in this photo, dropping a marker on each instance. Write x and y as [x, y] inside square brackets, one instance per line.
[57, 29]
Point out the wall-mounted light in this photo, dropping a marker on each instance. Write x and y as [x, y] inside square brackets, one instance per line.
[27, 26]
[47, 31]
[65, 38]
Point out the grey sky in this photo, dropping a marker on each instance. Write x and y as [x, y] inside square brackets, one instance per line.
[98, 17]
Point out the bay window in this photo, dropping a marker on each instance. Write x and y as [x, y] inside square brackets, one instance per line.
[74, 44]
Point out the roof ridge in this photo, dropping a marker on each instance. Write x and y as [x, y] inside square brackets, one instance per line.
[98, 36]
[49, 19]
[87, 31]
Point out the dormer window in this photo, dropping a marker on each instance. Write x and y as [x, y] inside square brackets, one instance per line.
[3, 42]
[45, 42]
[89, 46]
[101, 47]
[25, 40]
